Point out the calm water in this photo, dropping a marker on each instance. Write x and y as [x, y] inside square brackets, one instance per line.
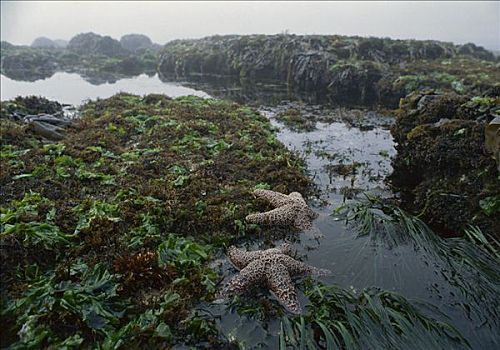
[356, 262]
[72, 89]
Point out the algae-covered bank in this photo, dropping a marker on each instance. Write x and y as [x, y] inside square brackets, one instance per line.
[340, 69]
[106, 234]
[443, 169]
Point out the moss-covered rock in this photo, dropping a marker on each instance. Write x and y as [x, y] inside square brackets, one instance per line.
[346, 70]
[91, 43]
[136, 42]
[442, 168]
[43, 42]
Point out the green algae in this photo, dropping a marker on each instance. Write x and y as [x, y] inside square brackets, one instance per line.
[135, 198]
[373, 319]
[293, 119]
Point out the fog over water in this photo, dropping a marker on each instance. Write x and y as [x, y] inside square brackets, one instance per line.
[456, 21]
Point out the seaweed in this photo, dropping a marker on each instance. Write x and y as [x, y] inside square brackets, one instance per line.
[120, 218]
[442, 169]
[351, 71]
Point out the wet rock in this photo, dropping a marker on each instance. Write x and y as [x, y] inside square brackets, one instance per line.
[56, 120]
[442, 169]
[28, 65]
[308, 71]
[355, 84]
[348, 70]
[30, 105]
[46, 130]
[44, 117]
[427, 107]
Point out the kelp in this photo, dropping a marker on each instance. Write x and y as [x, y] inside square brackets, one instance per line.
[471, 266]
[375, 319]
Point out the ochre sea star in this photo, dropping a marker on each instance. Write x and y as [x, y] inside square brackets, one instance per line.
[273, 268]
[291, 210]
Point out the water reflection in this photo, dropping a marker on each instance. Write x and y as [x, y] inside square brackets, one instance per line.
[71, 88]
[254, 93]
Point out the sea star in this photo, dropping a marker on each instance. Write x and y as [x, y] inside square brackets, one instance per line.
[291, 210]
[273, 268]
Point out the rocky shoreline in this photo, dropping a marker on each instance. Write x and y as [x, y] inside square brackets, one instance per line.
[338, 70]
[345, 70]
[110, 227]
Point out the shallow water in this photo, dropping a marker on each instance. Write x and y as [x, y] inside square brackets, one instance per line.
[356, 263]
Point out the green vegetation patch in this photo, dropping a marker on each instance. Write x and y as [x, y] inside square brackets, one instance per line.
[294, 120]
[344, 70]
[105, 236]
[337, 319]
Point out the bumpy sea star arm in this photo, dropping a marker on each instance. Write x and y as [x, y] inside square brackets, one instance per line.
[250, 276]
[302, 221]
[297, 196]
[241, 258]
[280, 216]
[280, 283]
[298, 268]
[276, 199]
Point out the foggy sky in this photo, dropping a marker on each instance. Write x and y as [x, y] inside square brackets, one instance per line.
[459, 22]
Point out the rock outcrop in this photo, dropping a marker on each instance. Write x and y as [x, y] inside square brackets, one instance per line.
[136, 42]
[43, 42]
[91, 43]
[97, 58]
[443, 169]
[346, 70]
